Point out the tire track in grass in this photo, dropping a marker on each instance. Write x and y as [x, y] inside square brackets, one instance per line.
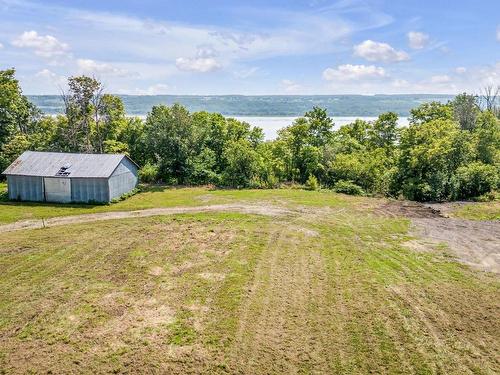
[279, 332]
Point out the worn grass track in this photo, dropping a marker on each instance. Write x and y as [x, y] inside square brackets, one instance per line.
[331, 288]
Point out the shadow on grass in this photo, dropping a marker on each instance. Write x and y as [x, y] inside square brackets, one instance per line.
[5, 201]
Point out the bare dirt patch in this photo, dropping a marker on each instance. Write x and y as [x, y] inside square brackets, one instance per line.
[407, 209]
[211, 276]
[475, 243]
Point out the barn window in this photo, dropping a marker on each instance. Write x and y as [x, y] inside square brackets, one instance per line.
[63, 171]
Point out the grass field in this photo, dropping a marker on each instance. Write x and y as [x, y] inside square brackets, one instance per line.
[479, 211]
[161, 196]
[334, 289]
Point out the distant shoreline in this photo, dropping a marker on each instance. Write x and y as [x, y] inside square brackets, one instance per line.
[265, 106]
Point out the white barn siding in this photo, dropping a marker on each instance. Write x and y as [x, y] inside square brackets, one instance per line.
[123, 179]
[88, 190]
[25, 188]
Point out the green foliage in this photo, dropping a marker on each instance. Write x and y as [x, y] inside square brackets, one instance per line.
[449, 151]
[431, 111]
[487, 138]
[465, 110]
[476, 179]
[241, 164]
[384, 133]
[348, 187]
[18, 118]
[148, 173]
[429, 156]
[312, 183]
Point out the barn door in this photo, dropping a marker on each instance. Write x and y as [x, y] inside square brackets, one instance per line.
[57, 189]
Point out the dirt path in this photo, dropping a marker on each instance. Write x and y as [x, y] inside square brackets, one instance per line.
[266, 210]
[475, 243]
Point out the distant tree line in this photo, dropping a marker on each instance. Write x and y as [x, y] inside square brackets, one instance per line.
[449, 151]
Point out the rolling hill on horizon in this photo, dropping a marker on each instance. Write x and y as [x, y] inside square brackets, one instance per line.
[264, 105]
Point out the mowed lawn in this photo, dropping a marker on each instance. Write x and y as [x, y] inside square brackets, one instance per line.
[327, 288]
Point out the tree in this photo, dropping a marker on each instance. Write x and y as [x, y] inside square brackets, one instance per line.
[133, 135]
[109, 121]
[490, 99]
[242, 164]
[18, 118]
[431, 111]
[465, 110]
[170, 142]
[487, 133]
[384, 133]
[320, 126]
[82, 103]
[430, 153]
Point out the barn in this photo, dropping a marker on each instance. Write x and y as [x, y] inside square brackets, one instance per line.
[65, 177]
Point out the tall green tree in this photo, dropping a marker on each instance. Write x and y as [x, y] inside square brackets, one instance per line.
[170, 142]
[384, 132]
[18, 118]
[465, 110]
[431, 111]
[81, 103]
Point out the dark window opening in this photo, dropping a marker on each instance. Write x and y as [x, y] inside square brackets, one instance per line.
[63, 171]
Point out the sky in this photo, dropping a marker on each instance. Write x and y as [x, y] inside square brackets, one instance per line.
[273, 47]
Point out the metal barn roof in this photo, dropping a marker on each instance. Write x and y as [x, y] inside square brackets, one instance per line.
[51, 164]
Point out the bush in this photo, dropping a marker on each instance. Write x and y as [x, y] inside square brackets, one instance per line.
[475, 179]
[148, 173]
[312, 183]
[348, 187]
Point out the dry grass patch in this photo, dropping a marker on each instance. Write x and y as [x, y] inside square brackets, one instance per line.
[331, 289]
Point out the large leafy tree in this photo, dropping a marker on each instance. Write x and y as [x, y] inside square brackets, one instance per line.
[465, 110]
[19, 119]
[430, 153]
[169, 141]
[431, 111]
[384, 132]
[81, 102]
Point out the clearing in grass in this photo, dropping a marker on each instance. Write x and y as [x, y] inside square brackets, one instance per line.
[326, 287]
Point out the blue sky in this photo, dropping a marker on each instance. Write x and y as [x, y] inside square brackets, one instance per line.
[254, 47]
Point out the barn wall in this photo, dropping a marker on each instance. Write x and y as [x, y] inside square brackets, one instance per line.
[123, 179]
[86, 190]
[26, 188]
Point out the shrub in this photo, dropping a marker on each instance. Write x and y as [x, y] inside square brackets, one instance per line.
[148, 173]
[312, 183]
[475, 179]
[348, 187]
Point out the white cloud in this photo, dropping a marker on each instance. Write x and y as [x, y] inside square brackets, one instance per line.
[349, 72]
[89, 66]
[203, 62]
[290, 86]
[46, 77]
[444, 78]
[197, 64]
[375, 51]
[157, 89]
[460, 70]
[245, 73]
[45, 46]
[45, 73]
[400, 83]
[417, 40]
